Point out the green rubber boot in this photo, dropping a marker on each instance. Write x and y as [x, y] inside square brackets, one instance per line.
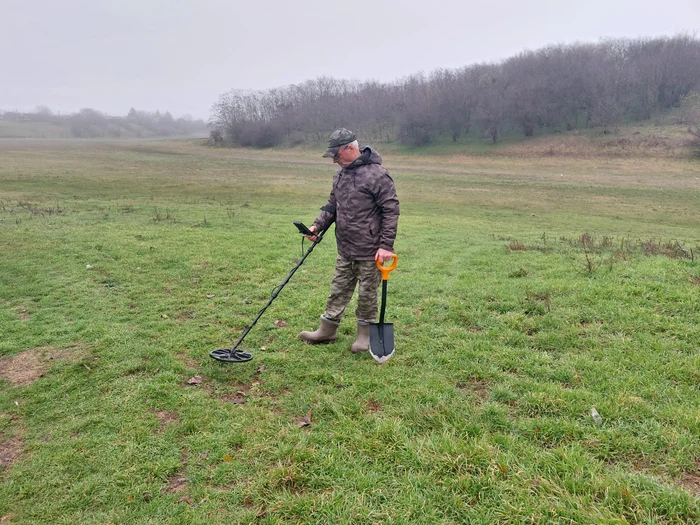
[361, 344]
[324, 334]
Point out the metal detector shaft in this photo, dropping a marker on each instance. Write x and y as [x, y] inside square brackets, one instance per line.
[277, 291]
[217, 354]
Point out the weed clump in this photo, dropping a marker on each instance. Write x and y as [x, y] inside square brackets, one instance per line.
[520, 272]
[594, 251]
[158, 216]
[39, 211]
[515, 246]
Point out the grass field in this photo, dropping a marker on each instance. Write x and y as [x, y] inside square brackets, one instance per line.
[529, 290]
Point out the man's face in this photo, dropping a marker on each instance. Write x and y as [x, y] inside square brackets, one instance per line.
[345, 156]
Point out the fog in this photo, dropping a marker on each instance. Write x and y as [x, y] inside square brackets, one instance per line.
[112, 55]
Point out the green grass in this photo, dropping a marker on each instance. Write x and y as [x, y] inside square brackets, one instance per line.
[505, 339]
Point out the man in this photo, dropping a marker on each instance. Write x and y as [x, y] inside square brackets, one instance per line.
[365, 209]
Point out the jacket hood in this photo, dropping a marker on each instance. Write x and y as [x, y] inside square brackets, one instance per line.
[367, 156]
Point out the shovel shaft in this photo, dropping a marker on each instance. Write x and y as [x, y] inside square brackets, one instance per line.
[386, 270]
[383, 310]
[381, 336]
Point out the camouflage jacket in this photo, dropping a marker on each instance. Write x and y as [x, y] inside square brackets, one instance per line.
[364, 207]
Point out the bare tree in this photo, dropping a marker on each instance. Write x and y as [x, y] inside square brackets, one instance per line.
[571, 86]
[692, 117]
[452, 101]
[492, 100]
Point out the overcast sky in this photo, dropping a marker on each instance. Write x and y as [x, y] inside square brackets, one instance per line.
[180, 55]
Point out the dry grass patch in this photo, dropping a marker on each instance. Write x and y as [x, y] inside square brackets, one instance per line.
[516, 246]
[22, 369]
[623, 144]
[25, 368]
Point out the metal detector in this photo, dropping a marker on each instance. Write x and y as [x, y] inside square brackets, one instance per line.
[236, 355]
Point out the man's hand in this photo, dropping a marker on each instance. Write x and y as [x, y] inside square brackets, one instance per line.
[312, 237]
[383, 255]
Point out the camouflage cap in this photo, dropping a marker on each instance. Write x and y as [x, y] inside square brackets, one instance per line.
[338, 138]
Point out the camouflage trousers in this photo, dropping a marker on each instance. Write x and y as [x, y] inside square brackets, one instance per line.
[348, 274]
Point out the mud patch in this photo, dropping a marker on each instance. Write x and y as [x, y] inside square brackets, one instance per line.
[237, 394]
[691, 481]
[10, 450]
[166, 418]
[373, 406]
[247, 389]
[237, 399]
[178, 483]
[25, 368]
[189, 362]
[475, 386]
[241, 393]
[185, 315]
[23, 313]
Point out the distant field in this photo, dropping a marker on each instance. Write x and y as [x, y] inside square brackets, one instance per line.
[530, 288]
[11, 129]
[45, 130]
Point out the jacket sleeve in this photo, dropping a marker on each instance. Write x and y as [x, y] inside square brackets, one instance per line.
[388, 204]
[327, 215]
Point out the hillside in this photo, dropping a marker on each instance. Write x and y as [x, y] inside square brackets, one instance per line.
[664, 139]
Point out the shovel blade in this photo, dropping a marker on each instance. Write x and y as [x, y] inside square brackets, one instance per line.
[381, 341]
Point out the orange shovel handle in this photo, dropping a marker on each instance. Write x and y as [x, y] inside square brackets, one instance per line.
[387, 269]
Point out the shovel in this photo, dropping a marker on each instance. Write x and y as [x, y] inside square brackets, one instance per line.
[381, 335]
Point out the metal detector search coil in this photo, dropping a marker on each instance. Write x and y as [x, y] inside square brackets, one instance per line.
[236, 355]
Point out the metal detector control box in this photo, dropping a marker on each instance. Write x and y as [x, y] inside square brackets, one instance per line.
[303, 229]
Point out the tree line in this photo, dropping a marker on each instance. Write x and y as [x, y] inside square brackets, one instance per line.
[90, 123]
[568, 87]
